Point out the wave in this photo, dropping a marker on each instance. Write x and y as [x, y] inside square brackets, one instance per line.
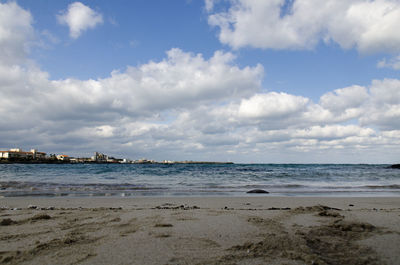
[391, 186]
[21, 185]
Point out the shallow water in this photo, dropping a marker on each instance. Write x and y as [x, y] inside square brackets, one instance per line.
[197, 180]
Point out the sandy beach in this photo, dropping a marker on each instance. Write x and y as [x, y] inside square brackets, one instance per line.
[204, 230]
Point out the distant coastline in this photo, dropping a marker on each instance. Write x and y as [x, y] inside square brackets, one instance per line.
[18, 156]
[94, 162]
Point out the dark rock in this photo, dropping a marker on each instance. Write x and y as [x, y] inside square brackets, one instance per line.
[7, 221]
[41, 216]
[163, 225]
[257, 191]
[279, 209]
[329, 214]
[395, 166]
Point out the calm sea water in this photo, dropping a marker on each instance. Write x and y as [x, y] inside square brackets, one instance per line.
[197, 180]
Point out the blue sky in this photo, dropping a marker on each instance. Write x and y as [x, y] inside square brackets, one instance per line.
[133, 32]
[247, 81]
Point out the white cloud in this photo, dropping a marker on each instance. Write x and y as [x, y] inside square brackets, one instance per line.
[15, 33]
[383, 108]
[191, 126]
[386, 91]
[343, 99]
[271, 105]
[79, 18]
[369, 26]
[106, 108]
[209, 5]
[143, 114]
[393, 63]
[177, 82]
[333, 132]
[103, 131]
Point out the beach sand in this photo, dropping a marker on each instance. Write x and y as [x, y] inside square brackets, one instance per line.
[222, 230]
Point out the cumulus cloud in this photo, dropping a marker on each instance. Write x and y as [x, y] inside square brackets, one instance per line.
[278, 121]
[79, 18]
[271, 105]
[15, 33]
[349, 98]
[177, 82]
[79, 115]
[369, 26]
[383, 109]
[112, 108]
[333, 132]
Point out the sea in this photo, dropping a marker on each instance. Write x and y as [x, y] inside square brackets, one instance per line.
[166, 180]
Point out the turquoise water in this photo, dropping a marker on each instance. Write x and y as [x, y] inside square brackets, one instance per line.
[124, 180]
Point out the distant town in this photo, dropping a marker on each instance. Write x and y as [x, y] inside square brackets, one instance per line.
[17, 155]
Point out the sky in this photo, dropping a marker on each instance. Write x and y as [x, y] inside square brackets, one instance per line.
[247, 81]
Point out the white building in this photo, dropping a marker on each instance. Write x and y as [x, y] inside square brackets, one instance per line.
[17, 153]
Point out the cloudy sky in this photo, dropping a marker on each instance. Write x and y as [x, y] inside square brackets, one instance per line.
[295, 81]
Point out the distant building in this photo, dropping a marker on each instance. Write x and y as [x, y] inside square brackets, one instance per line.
[81, 160]
[18, 154]
[99, 157]
[114, 160]
[144, 161]
[63, 157]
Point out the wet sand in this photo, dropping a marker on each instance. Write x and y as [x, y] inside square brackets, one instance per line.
[177, 230]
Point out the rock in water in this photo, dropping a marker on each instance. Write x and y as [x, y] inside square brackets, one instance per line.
[257, 191]
[395, 166]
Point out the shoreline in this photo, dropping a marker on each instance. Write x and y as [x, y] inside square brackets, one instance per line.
[62, 162]
[136, 194]
[200, 230]
[217, 201]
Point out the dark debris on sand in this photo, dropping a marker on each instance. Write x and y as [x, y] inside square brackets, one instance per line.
[332, 243]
